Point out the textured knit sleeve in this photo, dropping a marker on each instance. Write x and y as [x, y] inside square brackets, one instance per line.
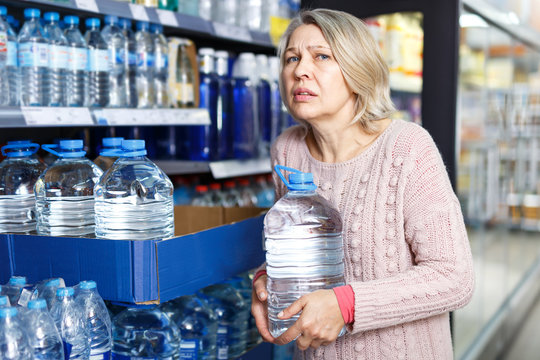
[441, 278]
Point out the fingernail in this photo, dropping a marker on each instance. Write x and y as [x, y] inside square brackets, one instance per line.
[280, 314]
[261, 295]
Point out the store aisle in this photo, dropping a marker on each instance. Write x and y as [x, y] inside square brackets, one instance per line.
[526, 345]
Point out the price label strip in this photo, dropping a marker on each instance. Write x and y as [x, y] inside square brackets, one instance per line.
[56, 116]
[123, 116]
[232, 32]
[88, 5]
[167, 18]
[138, 12]
[231, 168]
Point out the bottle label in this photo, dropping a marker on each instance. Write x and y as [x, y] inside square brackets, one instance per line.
[77, 59]
[67, 349]
[124, 357]
[98, 60]
[189, 349]
[221, 343]
[12, 53]
[162, 62]
[117, 56]
[145, 60]
[33, 54]
[104, 356]
[184, 94]
[58, 57]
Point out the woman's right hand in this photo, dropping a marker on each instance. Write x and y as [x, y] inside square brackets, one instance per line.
[259, 307]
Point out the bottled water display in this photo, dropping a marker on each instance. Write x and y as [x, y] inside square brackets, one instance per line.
[14, 343]
[161, 66]
[242, 283]
[197, 324]
[144, 333]
[98, 322]
[233, 315]
[44, 339]
[116, 42]
[8, 63]
[134, 199]
[304, 246]
[130, 63]
[76, 74]
[109, 143]
[58, 59]
[18, 174]
[46, 290]
[65, 192]
[33, 56]
[144, 65]
[14, 288]
[68, 317]
[98, 65]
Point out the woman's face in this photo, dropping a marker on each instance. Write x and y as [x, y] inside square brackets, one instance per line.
[315, 89]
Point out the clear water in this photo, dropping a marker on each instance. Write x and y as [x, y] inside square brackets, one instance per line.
[116, 42]
[13, 292]
[76, 74]
[67, 316]
[44, 338]
[98, 322]
[304, 251]
[130, 65]
[161, 73]
[58, 61]
[14, 344]
[145, 333]
[144, 69]
[98, 69]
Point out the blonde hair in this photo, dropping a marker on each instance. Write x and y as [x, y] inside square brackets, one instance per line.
[358, 56]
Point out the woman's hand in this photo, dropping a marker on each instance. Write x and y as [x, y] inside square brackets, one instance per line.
[259, 307]
[319, 324]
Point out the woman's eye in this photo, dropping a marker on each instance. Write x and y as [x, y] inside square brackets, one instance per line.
[323, 56]
[291, 59]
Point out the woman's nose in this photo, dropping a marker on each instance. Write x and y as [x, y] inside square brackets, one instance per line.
[302, 69]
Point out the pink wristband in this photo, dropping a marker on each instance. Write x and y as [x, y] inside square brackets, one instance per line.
[258, 274]
[345, 298]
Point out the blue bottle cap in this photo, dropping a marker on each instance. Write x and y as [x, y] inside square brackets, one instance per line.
[298, 180]
[3, 300]
[17, 280]
[67, 291]
[71, 20]
[301, 178]
[143, 25]
[37, 304]
[112, 141]
[87, 285]
[8, 312]
[124, 23]
[93, 22]
[71, 144]
[111, 19]
[51, 16]
[133, 144]
[19, 142]
[3, 11]
[31, 13]
[53, 282]
[20, 148]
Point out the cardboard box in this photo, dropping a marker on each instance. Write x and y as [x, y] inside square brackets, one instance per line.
[211, 244]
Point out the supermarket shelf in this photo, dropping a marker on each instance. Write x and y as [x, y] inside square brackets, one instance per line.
[190, 24]
[219, 169]
[34, 116]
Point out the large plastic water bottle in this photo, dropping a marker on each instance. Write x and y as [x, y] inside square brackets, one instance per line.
[144, 333]
[14, 344]
[130, 63]
[233, 315]
[13, 288]
[65, 192]
[68, 318]
[98, 321]
[304, 246]
[45, 341]
[134, 199]
[116, 42]
[12, 67]
[4, 300]
[161, 66]
[197, 324]
[46, 290]
[224, 135]
[98, 65]
[105, 161]
[33, 58]
[58, 59]
[18, 174]
[145, 65]
[77, 75]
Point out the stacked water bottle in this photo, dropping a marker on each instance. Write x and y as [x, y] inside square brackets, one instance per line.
[50, 321]
[55, 65]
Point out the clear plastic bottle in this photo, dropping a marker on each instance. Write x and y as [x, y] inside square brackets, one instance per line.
[68, 318]
[264, 192]
[58, 59]
[14, 344]
[217, 196]
[77, 74]
[242, 283]
[65, 192]
[18, 174]
[161, 66]
[269, 8]
[197, 324]
[201, 198]
[249, 14]
[104, 160]
[247, 195]
[232, 195]
[98, 321]
[145, 65]
[130, 64]
[304, 246]
[134, 199]
[98, 65]
[12, 64]
[33, 56]
[116, 42]
[225, 11]
[46, 290]
[44, 339]
[205, 9]
[14, 288]
[145, 333]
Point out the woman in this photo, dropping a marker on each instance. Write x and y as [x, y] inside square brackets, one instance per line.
[407, 257]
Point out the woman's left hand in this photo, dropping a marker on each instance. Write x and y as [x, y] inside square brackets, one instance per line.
[319, 324]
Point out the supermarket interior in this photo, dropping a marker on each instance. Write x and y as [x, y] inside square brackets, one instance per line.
[178, 101]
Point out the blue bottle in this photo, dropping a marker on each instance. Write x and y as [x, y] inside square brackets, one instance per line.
[224, 133]
[14, 288]
[45, 341]
[105, 160]
[275, 98]
[33, 56]
[77, 72]
[15, 344]
[12, 64]
[134, 199]
[98, 65]
[264, 106]
[18, 174]
[58, 59]
[65, 192]
[144, 333]
[197, 324]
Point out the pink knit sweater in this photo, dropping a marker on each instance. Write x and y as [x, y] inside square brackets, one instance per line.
[407, 256]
